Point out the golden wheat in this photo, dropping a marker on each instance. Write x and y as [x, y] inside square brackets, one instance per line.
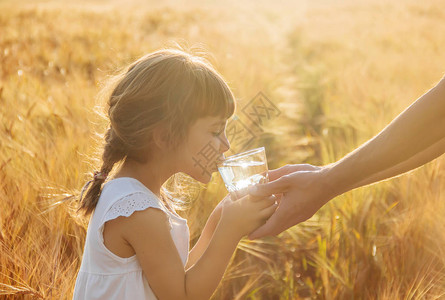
[338, 72]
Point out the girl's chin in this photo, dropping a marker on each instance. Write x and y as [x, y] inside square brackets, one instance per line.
[204, 178]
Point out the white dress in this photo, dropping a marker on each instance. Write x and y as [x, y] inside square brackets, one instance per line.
[103, 274]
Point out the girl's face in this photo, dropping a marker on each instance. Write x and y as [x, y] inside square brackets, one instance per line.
[206, 142]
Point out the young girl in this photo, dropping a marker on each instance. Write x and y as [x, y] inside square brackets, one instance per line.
[164, 111]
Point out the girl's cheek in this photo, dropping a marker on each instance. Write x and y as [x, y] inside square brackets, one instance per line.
[223, 143]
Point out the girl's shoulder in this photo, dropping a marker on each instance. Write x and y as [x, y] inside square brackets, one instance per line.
[122, 186]
[124, 195]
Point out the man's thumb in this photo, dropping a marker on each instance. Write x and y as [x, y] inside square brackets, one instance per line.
[274, 187]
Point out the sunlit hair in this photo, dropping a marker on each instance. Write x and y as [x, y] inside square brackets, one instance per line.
[168, 87]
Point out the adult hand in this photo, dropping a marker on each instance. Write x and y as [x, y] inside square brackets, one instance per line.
[291, 168]
[304, 192]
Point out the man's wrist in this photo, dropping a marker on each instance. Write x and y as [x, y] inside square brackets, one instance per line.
[331, 182]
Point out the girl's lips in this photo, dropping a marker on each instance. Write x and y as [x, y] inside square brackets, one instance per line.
[215, 167]
[218, 161]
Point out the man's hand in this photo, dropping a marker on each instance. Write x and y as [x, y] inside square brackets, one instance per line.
[304, 192]
[287, 169]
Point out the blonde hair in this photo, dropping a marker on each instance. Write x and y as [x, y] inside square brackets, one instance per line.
[168, 87]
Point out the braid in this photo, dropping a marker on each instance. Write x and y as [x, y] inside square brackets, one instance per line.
[114, 151]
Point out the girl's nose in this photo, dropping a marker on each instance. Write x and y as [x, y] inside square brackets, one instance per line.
[224, 145]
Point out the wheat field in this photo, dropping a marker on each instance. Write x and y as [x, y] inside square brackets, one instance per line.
[337, 71]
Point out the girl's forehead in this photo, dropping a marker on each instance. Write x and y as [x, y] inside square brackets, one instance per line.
[212, 121]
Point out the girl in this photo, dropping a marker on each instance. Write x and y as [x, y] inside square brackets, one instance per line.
[164, 111]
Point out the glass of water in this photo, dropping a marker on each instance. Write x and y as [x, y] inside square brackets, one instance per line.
[242, 170]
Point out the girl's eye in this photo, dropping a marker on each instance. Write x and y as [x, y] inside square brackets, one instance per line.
[218, 133]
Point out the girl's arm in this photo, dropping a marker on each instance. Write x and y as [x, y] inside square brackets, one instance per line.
[148, 233]
[205, 237]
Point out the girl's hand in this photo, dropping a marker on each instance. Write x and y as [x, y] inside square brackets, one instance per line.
[242, 216]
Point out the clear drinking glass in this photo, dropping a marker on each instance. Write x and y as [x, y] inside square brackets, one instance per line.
[242, 170]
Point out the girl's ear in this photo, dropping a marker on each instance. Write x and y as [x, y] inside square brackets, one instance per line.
[160, 137]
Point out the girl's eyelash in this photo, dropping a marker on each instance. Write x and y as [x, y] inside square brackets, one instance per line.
[218, 133]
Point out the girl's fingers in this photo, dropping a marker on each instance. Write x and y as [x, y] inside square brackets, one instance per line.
[268, 211]
[236, 195]
[256, 198]
[268, 201]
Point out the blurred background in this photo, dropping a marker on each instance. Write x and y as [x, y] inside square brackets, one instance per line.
[336, 72]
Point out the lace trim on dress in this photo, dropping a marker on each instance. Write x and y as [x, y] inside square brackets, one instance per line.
[130, 203]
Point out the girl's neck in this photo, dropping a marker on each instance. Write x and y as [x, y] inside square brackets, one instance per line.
[152, 174]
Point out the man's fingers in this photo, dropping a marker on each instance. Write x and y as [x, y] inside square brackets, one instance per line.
[269, 210]
[287, 169]
[278, 199]
[274, 187]
[277, 173]
[267, 229]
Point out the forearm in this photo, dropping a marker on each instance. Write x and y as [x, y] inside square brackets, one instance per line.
[416, 129]
[204, 240]
[203, 277]
[412, 163]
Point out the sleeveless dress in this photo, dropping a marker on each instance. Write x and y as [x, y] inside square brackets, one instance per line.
[103, 274]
